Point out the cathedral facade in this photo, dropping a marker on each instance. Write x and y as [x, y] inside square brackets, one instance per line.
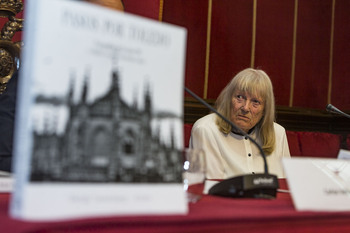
[106, 140]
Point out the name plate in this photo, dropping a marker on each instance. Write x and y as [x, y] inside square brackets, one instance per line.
[6, 182]
[344, 154]
[319, 184]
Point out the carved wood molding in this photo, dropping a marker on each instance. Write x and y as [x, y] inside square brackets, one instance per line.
[291, 118]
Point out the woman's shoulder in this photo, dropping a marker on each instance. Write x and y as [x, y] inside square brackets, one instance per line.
[279, 129]
[205, 121]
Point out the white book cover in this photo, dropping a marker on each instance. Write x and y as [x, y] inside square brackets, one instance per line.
[99, 125]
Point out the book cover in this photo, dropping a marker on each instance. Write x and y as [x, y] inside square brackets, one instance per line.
[99, 125]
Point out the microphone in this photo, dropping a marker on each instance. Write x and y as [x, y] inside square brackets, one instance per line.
[332, 109]
[263, 185]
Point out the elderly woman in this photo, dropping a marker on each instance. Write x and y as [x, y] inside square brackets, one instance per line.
[248, 102]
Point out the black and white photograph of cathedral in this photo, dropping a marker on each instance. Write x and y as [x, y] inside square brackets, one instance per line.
[105, 140]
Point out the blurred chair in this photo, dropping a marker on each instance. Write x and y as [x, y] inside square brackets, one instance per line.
[187, 134]
[9, 65]
[319, 144]
[293, 143]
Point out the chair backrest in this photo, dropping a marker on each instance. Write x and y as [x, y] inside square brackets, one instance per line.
[306, 144]
[348, 142]
[187, 134]
[319, 144]
[294, 143]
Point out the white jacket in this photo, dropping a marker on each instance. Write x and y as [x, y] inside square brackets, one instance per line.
[229, 155]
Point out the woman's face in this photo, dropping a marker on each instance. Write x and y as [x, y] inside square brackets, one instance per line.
[246, 110]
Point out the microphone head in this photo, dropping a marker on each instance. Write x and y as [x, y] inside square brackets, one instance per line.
[330, 108]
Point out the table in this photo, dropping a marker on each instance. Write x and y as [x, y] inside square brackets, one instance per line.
[209, 214]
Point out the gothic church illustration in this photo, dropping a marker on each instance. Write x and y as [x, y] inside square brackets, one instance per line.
[106, 140]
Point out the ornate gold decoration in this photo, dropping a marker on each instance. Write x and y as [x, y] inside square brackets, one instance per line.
[9, 51]
[10, 7]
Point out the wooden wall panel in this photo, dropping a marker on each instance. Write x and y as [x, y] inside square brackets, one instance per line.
[274, 44]
[312, 54]
[231, 39]
[145, 8]
[318, 66]
[341, 56]
[182, 13]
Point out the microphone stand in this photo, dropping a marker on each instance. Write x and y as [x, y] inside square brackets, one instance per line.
[251, 185]
[332, 109]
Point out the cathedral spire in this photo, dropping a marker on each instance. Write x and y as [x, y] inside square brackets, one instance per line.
[85, 89]
[135, 99]
[70, 95]
[115, 81]
[148, 102]
[115, 74]
[172, 136]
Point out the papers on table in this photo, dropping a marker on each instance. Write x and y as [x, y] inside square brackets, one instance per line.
[6, 182]
[319, 184]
